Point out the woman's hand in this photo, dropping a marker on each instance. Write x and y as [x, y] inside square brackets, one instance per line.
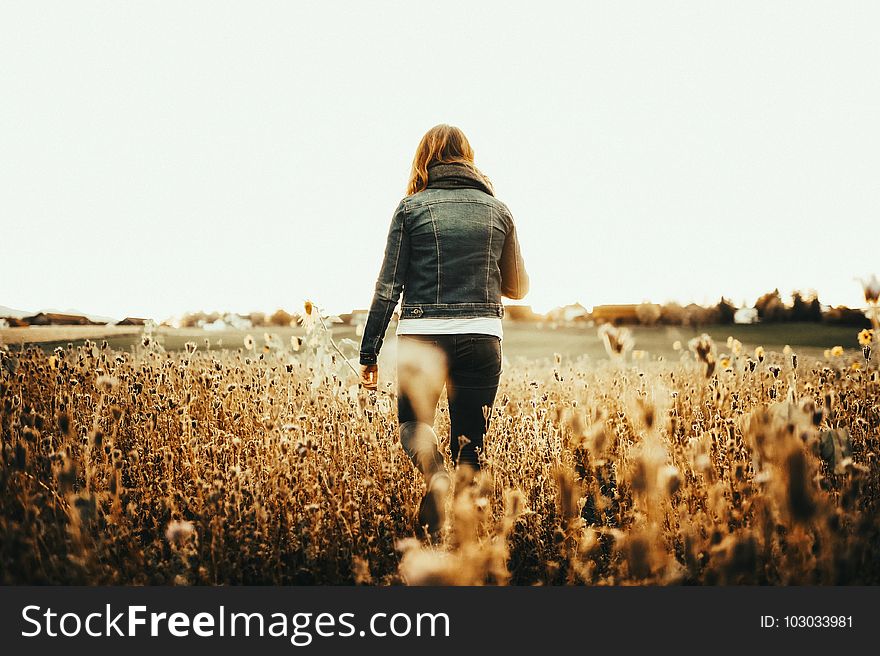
[369, 376]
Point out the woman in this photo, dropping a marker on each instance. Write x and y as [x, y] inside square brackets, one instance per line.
[452, 250]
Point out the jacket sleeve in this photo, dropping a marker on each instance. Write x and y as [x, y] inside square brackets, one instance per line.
[514, 279]
[388, 287]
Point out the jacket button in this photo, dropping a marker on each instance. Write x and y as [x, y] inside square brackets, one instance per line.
[417, 312]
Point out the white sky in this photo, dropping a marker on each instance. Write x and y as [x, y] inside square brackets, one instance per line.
[167, 156]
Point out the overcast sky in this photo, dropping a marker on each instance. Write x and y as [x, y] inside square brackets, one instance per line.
[159, 157]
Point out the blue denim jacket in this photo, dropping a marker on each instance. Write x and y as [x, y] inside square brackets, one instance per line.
[452, 250]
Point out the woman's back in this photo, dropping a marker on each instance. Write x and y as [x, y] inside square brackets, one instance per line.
[457, 232]
[452, 251]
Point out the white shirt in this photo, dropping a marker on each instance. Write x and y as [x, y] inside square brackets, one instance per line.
[434, 326]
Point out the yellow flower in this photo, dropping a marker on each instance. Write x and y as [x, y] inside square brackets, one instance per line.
[856, 366]
[827, 354]
[866, 337]
[837, 351]
[724, 362]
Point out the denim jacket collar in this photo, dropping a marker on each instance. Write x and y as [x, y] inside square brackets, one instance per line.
[454, 175]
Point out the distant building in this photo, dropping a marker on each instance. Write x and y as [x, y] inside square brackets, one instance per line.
[56, 319]
[567, 314]
[746, 315]
[14, 322]
[132, 321]
[229, 321]
[615, 314]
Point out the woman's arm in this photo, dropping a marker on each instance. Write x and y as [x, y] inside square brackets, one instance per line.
[514, 279]
[388, 287]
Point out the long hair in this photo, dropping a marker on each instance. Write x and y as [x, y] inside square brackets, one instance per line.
[442, 143]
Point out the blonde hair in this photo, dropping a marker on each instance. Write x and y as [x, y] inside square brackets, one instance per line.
[442, 143]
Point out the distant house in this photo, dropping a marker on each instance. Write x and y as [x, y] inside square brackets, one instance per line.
[14, 322]
[132, 321]
[746, 315]
[616, 314]
[574, 312]
[229, 321]
[56, 319]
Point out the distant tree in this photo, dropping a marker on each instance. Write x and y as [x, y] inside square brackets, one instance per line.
[814, 312]
[191, 319]
[673, 314]
[697, 315]
[805, 308]
[257, 319]
[770, 307]
[648, 313]
[725, 311]
[846, 316]
[798, 309]
[280, 318]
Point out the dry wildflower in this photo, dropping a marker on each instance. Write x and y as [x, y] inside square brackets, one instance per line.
[871, 287]
[836, 351]
[800, 502]
[669, 479]
[704, 348]
[866, 337]
[106, 383]
[760, 354]
[249, 342]
[617, 341]
[361, 570]
[179, 532]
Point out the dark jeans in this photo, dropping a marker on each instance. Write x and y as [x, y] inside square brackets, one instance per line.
[473, 368]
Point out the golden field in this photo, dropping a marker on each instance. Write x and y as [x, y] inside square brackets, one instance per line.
[266, 464]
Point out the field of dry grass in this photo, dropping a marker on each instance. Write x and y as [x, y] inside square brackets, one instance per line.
[57, 334]
[266, 463]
